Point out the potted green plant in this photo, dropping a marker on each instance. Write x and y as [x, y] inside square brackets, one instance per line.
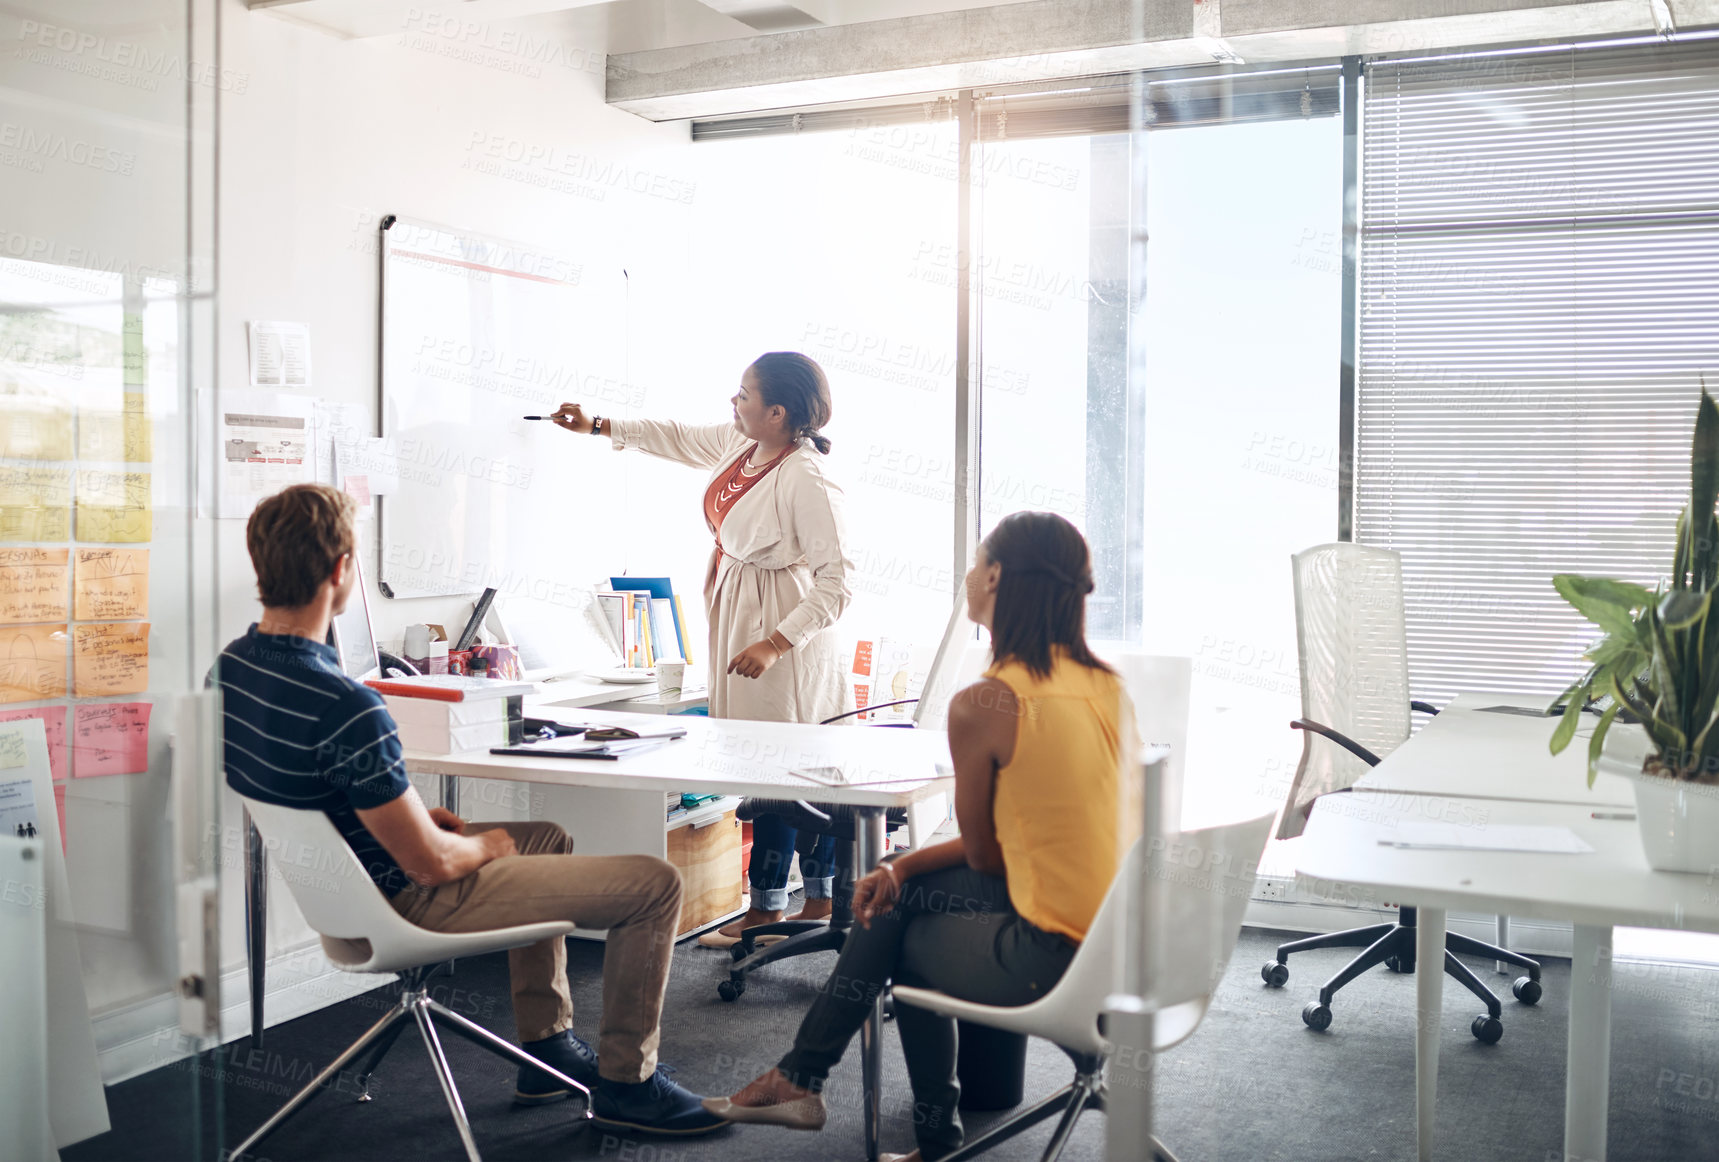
[1658, 663]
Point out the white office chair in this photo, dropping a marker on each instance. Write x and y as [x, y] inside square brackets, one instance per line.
[1199, 910]
[1353, 643]
[361, 932]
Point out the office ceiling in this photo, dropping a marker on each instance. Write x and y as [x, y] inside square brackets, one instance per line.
[630, 25]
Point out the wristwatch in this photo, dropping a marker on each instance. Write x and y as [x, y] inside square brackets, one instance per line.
[596, 425]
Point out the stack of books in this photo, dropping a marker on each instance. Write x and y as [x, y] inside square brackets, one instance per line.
[646, 621]
[444, 714]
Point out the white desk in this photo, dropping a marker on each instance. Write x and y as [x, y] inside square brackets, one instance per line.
[580, 691]
[1612, 886]
[1465, 752]
[731, 757]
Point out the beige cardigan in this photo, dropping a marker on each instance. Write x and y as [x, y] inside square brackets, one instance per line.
[782, 568]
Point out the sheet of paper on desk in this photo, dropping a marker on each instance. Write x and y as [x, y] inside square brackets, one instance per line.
[855, 775]
[1464, 837]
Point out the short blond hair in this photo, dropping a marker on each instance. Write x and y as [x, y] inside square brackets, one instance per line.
[296, 537]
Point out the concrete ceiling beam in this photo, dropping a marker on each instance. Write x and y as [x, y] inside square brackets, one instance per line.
[1055, 39]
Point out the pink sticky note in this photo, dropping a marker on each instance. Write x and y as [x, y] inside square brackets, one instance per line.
[110, 738]
[54, 719]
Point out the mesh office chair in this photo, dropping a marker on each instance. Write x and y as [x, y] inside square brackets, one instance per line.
[1355, 696]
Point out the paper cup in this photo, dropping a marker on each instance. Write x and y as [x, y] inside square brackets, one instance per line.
[670, 675]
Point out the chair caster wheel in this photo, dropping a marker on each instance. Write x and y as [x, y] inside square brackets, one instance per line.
[1527, 990]
[739, 952]
[730, 990]
[1275, 975]
[1316, 1016]
[1398, 964]
[1487, 1029]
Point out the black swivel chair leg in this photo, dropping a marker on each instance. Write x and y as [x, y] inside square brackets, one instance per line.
[1353, 938]
[1487, 1028]
[1377, 953]
[1468, 946]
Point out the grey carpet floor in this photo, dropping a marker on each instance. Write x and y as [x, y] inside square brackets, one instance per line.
[1252, 1083]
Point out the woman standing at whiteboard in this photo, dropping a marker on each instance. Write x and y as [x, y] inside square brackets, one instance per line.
[777, 579]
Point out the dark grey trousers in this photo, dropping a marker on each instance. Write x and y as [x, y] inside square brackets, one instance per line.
[954, 931]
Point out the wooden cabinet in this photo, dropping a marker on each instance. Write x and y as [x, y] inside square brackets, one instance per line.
[708, 856]
[704, 845]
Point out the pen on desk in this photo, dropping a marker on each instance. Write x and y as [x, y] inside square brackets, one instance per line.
[1611, 814]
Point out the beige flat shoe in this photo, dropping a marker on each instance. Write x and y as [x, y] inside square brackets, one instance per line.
[805, 1113]
[716, 938]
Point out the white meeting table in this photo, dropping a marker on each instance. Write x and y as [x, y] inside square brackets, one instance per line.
[1465, 752]
[885, 767]
[1612, 886]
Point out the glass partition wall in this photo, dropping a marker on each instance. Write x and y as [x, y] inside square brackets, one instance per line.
[107, 263]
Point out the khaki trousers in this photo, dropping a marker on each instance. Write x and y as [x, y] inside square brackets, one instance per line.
[635, 897]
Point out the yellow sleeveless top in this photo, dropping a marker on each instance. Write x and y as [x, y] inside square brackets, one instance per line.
[1056, 804]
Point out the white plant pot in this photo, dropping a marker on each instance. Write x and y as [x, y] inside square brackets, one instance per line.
[1678, 822]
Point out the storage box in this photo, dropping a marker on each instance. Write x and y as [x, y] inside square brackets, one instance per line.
[431, 726]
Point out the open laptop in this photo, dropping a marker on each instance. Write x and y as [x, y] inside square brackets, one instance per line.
[960, 661]
[352, 635]
[554, 641]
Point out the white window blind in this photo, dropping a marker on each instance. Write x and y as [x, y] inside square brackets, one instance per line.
[1539, 291]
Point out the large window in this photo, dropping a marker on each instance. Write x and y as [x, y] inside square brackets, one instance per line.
[1538, 304]
[1194, 486]
[841, 244]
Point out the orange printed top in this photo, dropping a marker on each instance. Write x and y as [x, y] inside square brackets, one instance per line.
[728, 488]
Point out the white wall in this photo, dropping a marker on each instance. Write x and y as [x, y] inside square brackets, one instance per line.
[330, 134]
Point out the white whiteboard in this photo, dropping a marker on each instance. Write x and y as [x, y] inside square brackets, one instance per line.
[476, 333]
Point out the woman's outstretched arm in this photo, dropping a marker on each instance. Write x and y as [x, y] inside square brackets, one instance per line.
[697, 445]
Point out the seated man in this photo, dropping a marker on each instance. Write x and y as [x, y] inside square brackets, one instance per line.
[300, 733]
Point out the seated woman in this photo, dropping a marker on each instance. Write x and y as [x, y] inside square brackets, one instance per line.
[996, 915]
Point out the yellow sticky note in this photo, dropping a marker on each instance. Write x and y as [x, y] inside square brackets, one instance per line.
[109, 584]
[32, 662]
[117, 433]
[110, 659]
[36, 428]
[32, 585]
[35, 504]
[113, 506]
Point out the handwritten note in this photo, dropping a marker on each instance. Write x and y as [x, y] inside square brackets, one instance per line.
[11, 750]
[35, 504]
[113, 506]
[36, 428]
[111, 658]
[109, 584]
[54, 723]
[32, 585]
[121, 430]
[110, 738]
[32, 662]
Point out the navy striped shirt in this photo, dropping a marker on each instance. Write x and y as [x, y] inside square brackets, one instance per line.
[300, 733]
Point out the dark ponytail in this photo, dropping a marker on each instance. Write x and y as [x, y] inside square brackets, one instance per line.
[1045, 575]
[796, 384]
